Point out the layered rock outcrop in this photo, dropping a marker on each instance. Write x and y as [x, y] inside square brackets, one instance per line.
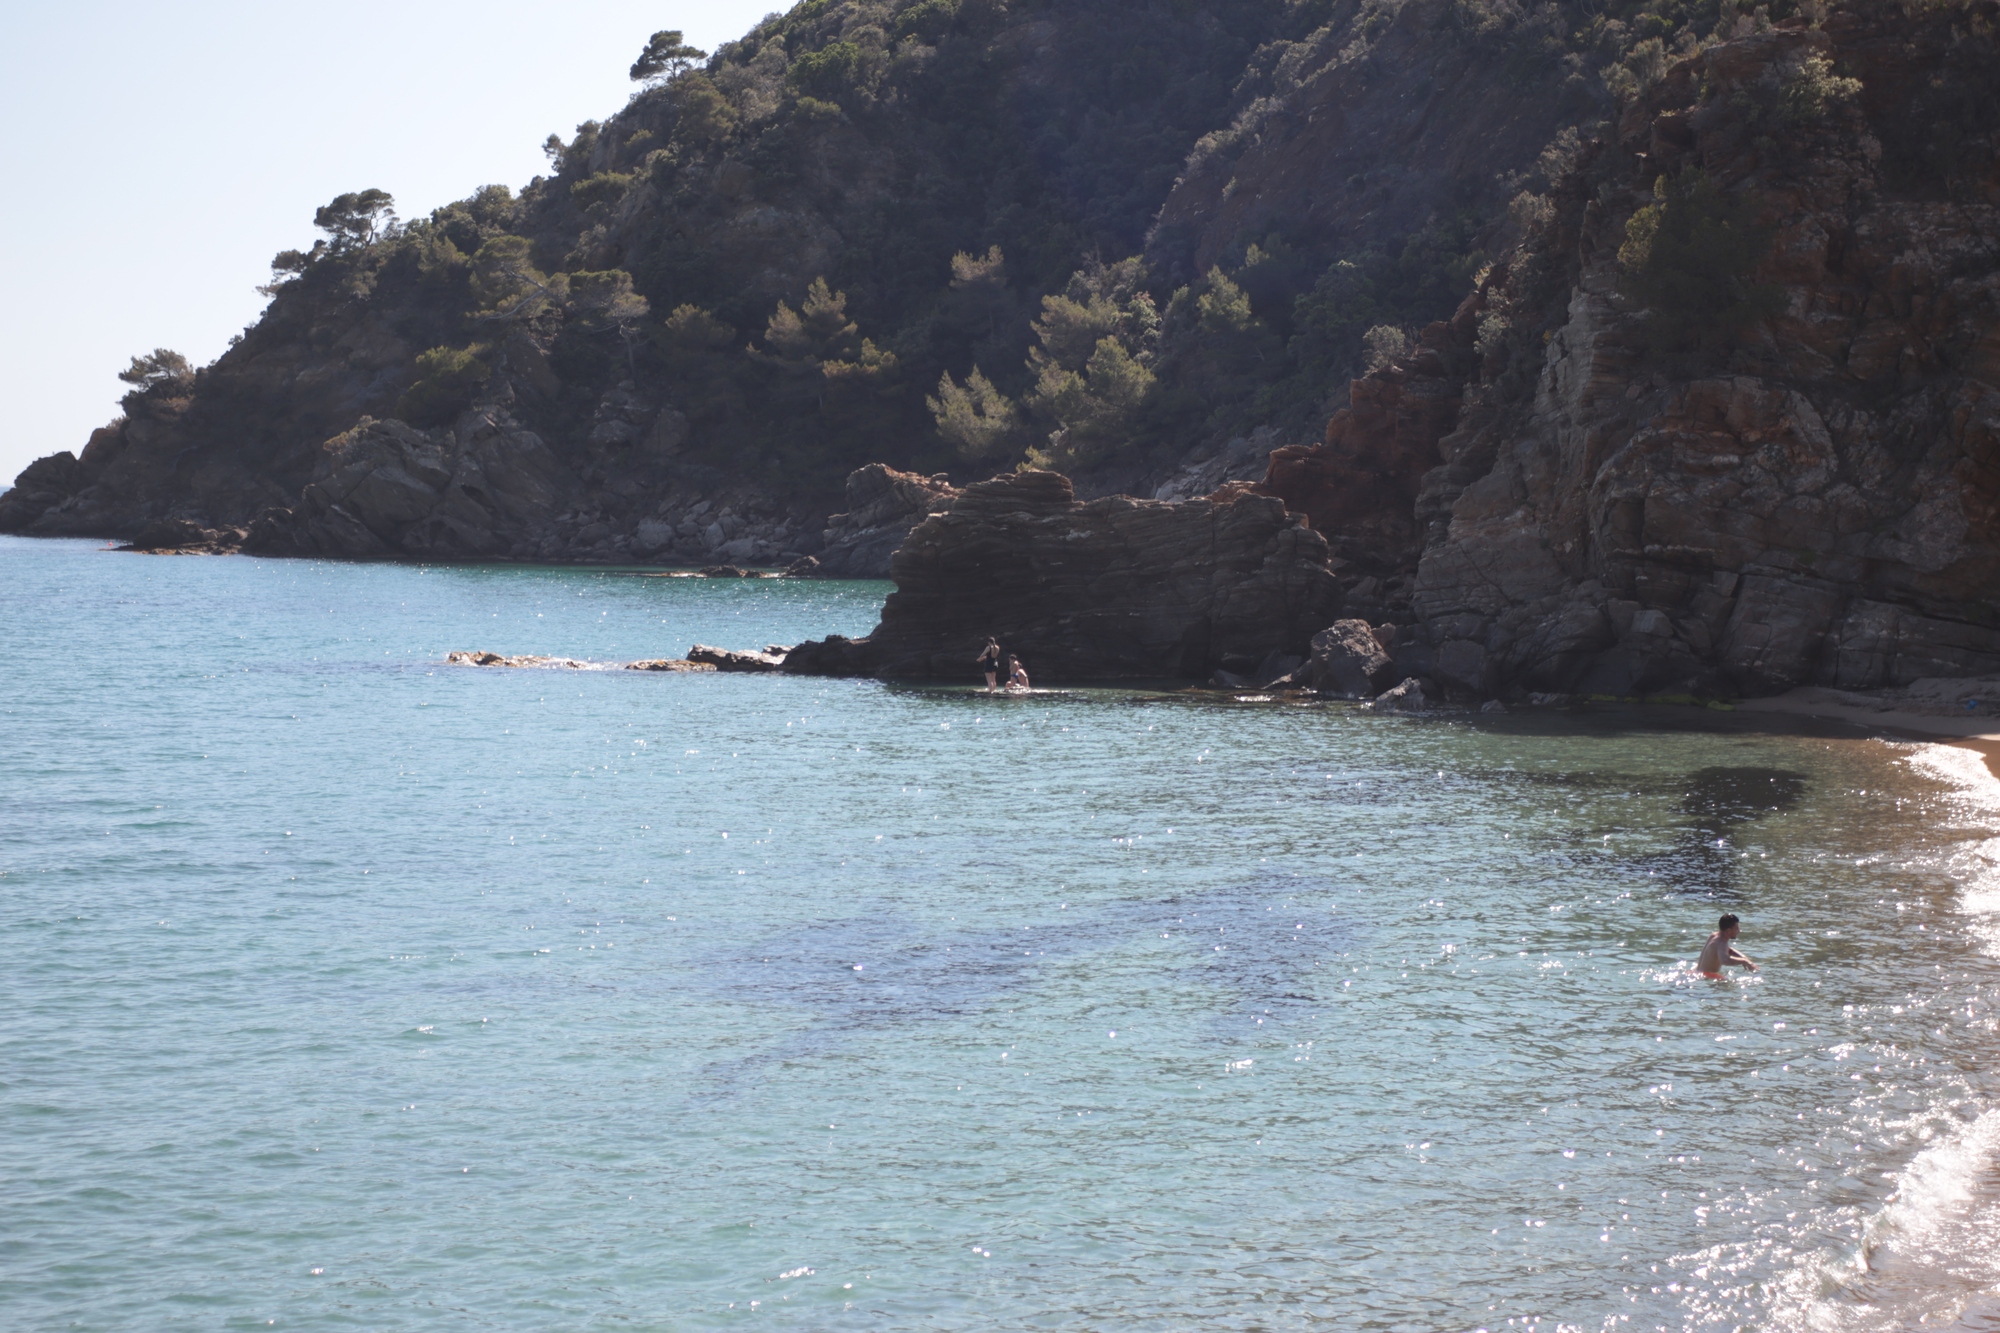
[1105, 589]
[882, 506]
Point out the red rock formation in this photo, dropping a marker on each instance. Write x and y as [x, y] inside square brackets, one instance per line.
[1359, 489]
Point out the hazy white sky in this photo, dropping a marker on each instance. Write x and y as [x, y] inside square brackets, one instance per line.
[157, 155]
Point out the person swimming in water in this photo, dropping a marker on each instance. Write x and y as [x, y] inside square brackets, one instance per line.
[989, 660]
[1720, 951]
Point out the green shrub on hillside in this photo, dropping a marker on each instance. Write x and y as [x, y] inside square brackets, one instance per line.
[977, 420]
[829, 73]
[447, 378]
[1688, 257]
[606, 187]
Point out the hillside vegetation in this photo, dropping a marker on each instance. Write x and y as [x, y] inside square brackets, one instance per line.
[947, 235]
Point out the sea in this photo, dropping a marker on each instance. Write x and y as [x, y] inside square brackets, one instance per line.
[348, 989]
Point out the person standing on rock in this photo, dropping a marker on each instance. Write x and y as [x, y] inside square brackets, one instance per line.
[1719, 951]
[989, 661]
[1017, 675]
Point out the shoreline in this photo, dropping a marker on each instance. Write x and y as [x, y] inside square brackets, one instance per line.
[1980, 734]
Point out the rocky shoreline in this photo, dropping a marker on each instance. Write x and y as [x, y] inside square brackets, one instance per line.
[1544, 496]
[485, 488]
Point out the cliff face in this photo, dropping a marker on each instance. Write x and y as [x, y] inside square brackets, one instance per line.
[1622, 505]
[489, 488]
[1114, 588]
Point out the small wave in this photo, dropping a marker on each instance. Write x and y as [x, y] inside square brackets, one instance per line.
[1974, 863]
[1928, 1259]
[1931, 1256]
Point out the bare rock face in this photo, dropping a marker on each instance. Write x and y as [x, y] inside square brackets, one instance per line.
[882, 506]
[1109, 589]
[1365, 129]
[1817, 502]
[386, 488]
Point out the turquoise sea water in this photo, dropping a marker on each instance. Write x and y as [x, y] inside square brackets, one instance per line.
[346, 989]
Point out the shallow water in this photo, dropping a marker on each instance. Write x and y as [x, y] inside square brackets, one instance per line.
[349, 989]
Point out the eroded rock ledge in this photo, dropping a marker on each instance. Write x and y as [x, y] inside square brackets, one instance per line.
[1114, 588]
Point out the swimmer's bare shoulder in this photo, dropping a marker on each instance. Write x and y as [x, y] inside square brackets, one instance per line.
[1720, 952]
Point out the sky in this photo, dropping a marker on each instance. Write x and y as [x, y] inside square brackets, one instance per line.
[156, 156]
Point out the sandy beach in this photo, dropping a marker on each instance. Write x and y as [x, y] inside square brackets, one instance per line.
[1963, 712]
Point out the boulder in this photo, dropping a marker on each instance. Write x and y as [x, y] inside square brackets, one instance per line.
[1349, 661]
[1405, 698]
[652, 535]
[1114, 588]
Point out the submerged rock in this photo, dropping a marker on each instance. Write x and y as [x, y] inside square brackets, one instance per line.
[485, 659]
[1405, 698]
[724, 659]
[1109, 589]
[181, 536]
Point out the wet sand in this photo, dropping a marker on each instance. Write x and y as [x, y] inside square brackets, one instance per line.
[1880, 714]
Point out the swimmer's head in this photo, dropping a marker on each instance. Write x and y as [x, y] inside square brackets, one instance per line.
[1727, 925]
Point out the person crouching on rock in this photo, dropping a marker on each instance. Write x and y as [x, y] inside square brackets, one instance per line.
[989, 661]
[1017, 675]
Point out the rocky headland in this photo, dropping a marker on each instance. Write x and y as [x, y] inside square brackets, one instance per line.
[1579, 500]
[1670, 338]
